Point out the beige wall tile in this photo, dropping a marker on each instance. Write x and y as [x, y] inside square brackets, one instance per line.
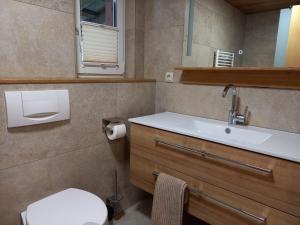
[164, 13]
[35, 41]
[130, 53]
[260, 39]
[135, 99]
[202, 56]
[194, 100]
[164, 21]
[269, 108]
[139, 53]
[220, 7]
[227, 32]
[59, 5]
[134, 53]
[140, 14]
[202, 24]
[130, 14]
[163, 50]
[135, 38]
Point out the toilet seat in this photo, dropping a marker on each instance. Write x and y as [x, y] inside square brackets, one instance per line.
[68, 207]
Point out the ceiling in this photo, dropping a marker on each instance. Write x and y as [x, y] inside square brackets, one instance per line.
[254, 6]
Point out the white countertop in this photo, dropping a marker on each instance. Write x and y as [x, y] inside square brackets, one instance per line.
[280, 144]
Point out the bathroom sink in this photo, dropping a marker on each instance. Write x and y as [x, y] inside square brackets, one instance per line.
[222, 131]
[265, 141]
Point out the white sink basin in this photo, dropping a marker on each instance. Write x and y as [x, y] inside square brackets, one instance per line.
[265, 141]
[240, 135]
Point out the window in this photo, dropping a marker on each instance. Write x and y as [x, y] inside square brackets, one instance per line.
[100, 37]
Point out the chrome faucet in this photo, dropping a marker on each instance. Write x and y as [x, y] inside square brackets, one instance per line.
[235, 117]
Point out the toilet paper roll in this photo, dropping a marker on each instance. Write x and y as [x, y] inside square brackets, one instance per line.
[115, 131]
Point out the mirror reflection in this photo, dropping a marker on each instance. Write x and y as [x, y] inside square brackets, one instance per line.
[98, 12]
[228, 33]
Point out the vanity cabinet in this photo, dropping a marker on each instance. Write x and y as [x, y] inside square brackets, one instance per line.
[227, 185]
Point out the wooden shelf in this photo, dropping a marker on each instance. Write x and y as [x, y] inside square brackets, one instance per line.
[255, 6]
[286, 78]
[28, 80]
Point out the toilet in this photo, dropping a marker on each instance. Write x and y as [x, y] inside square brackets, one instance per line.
[68, 207]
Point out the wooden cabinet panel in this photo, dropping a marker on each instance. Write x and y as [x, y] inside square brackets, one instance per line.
[208, 202]
[271, 181]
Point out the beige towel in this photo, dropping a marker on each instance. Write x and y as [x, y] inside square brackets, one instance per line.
[168, 200]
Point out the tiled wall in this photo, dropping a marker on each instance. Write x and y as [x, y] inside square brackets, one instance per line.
[36, 161]
[164, 20]
[135, 20]
[216, 25]
[271, 108]
[260, 39]
[38, 38]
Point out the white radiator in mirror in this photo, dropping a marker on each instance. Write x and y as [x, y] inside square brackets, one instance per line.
[36, 107]
[224, 59]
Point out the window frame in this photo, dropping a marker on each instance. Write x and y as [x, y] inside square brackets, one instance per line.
[94, 71]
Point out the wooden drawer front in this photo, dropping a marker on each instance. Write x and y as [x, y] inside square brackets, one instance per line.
[210, 203]
[268, 180]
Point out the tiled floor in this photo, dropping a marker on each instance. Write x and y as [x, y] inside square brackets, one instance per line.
[140, 214]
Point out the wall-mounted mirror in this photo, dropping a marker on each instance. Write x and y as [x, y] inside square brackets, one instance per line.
[230, 33]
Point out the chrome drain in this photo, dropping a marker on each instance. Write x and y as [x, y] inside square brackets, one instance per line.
[227, 130]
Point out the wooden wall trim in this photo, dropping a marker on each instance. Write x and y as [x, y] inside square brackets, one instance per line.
[70, 80]
[285, 78]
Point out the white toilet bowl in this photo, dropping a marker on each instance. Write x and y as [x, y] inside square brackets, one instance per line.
[68, 207]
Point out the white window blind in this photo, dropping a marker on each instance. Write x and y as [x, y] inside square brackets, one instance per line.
[99, 45]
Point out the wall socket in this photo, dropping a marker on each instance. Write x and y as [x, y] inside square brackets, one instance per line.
[169, 77]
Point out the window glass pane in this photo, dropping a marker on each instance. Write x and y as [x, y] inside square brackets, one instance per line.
[98, 11]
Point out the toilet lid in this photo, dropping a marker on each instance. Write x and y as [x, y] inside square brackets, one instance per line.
[68, 207]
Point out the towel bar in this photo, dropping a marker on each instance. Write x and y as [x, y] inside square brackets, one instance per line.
[247, 215]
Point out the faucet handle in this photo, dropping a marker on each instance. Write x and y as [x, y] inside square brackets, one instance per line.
[246, 111]
[246, 114]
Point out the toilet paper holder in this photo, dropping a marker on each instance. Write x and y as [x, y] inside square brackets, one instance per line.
[106, 121]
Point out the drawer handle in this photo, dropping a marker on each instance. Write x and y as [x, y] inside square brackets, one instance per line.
[205, 154]
[245, 214]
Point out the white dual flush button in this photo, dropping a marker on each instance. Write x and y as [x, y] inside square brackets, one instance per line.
[36, 107]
